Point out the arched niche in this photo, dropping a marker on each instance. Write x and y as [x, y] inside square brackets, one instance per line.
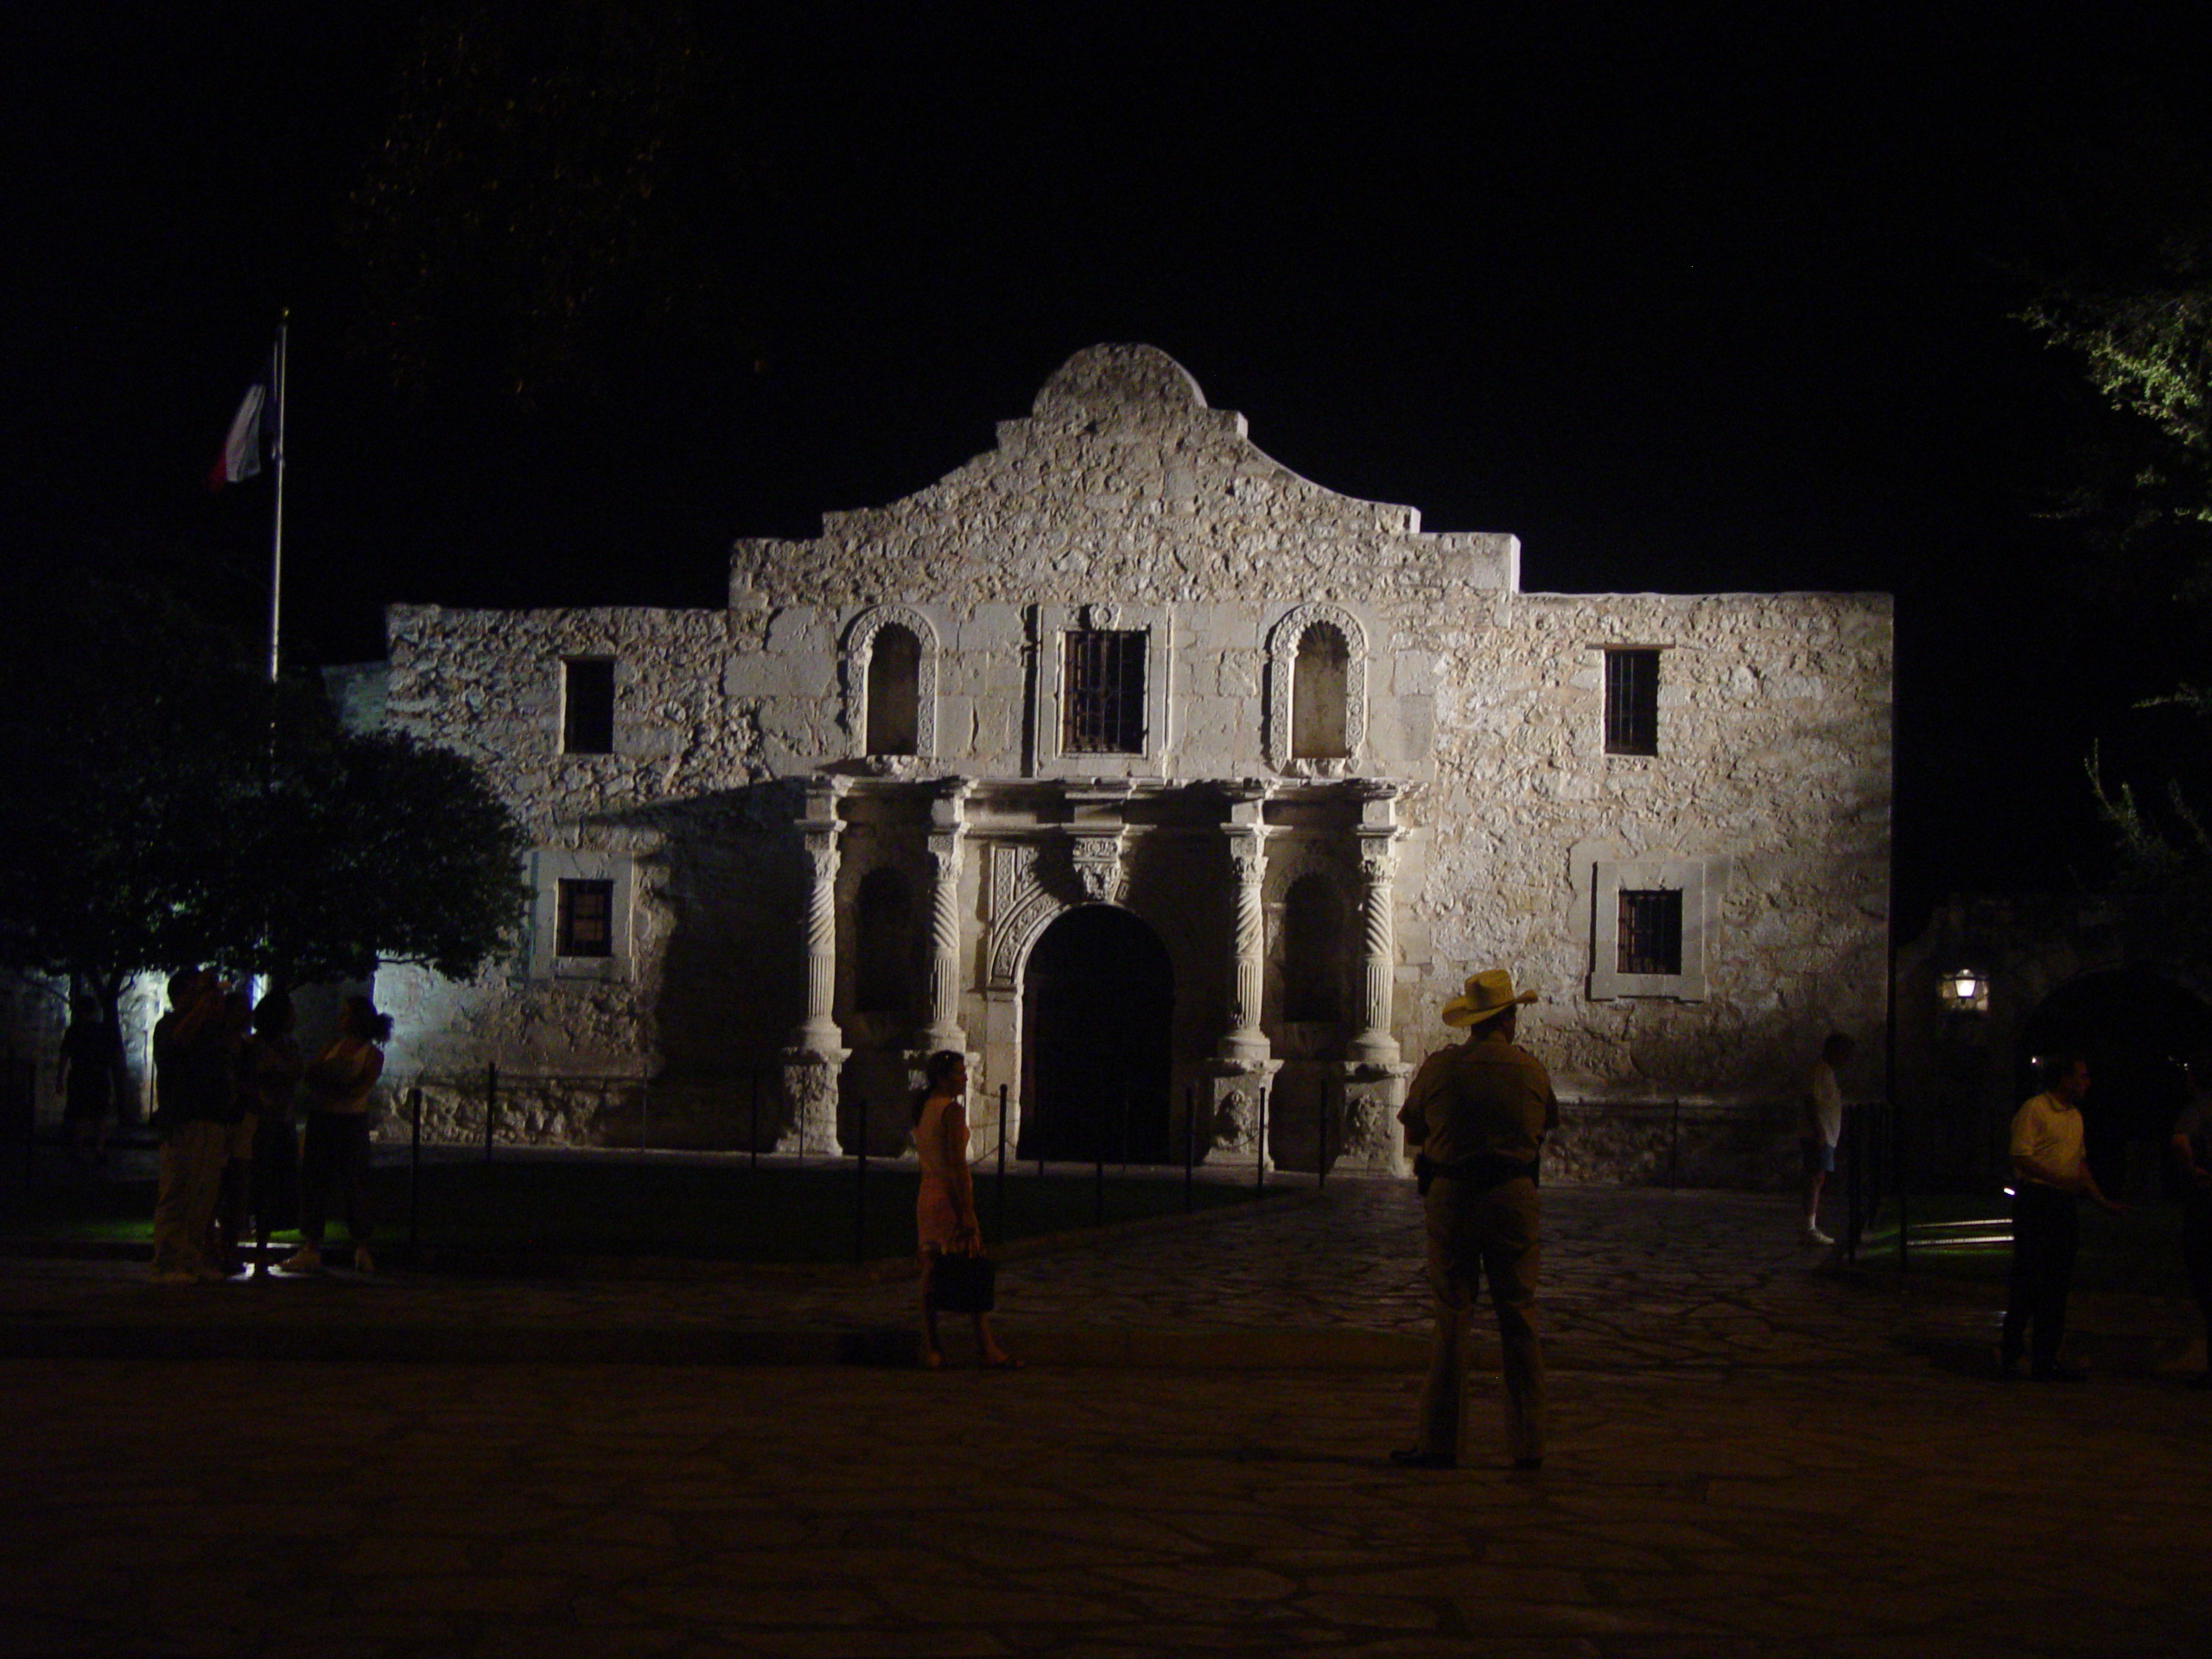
[1316, 926]
[883, 944]
[1325, 646]
[891, 675]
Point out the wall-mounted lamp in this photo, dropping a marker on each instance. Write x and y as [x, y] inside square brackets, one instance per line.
[1964, 991]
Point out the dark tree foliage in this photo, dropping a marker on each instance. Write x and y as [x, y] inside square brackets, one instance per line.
[137, 742]
[374, 847]
[2133, 301]
[174, 809]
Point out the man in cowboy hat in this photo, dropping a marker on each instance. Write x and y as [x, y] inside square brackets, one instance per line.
[1478, 1113]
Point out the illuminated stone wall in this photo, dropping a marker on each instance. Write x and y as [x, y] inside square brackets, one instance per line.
[1123, 502]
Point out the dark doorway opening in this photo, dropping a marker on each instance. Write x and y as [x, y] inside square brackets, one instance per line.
[1098, 1015]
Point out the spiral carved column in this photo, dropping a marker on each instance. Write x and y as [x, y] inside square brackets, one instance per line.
[1378, 869]
[943, 1030]
[817, 1051]
[1374, 1076]
[821, 1028]
[1248, 965]
[1241, 1074]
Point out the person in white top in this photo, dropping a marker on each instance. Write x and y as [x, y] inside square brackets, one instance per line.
[1820, 1126]
[2049, 1176]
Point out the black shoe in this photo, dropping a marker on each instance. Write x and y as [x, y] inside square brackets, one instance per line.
[2008, 1365]
[2203, 1381]
[2060, 1374]
[1527, 1465]
[1415, 1458]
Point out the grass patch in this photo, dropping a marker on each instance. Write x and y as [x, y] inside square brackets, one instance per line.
[614, 1207]
[1967, 1237]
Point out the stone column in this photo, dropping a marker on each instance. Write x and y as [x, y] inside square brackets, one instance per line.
[1374, 1079]
[1379, 966]
[1247, 835]
[817, 1051]
[948, 830]
[1243, 1069]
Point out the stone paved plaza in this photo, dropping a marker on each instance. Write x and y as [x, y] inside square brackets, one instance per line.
[1750, 1457]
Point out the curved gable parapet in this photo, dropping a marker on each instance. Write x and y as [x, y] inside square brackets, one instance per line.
[1123, 481]
[1125, 384]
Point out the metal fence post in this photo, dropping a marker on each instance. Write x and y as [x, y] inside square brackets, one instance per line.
[1321, 1157]
[752, 1158]
[415, 1174]
[1260, 1162]
[490, 1105]
[1897, 1179]
[860, 1196]
[1189, 1141]
[1000, 1228]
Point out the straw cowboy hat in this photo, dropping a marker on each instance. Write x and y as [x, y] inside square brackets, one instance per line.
[1487, 995]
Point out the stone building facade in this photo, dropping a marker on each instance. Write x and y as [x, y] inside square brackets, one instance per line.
[1178, 792]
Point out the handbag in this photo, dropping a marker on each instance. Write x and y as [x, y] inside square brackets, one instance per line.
[964, 1284]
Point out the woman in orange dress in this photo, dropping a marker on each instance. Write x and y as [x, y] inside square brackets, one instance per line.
[945, 1211]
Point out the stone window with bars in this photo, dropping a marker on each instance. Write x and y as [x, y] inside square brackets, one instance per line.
[1651, 923]
[1649, 938]
[585, 919]
[1103, 691]
[1632, 701]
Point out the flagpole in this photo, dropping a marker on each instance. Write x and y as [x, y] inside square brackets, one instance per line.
[277, 533]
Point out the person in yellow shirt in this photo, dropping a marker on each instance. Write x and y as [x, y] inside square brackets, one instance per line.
[2049, 1177]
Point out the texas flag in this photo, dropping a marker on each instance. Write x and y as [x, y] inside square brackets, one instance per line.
[252, 431]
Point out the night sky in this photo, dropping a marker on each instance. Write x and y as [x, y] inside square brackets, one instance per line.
[1688, 305]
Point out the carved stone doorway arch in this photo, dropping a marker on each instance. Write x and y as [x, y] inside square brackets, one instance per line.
[1098, 1023]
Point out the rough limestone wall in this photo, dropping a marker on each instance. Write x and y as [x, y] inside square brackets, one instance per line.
[1122, 485]
[687, 804]
[487, 683]
[1774, 764]
[1123, 488]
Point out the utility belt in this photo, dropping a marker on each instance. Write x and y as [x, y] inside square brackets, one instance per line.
[1482, 1172]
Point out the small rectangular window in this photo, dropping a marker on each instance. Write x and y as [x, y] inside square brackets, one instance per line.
[1650, 935]
[1101, 686]
[587, 706]
[586, 921]
[1632, 701]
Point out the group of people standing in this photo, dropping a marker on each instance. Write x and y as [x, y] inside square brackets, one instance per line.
[229, 1079]
[1478, 1113]
[2051, 1176]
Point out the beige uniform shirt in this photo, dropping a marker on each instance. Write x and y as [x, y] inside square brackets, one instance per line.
[1489, 1097]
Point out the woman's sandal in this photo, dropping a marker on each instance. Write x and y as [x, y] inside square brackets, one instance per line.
[1004, 1363]
[932, 1361]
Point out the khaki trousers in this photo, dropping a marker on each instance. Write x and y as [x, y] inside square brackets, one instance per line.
[192, 1156]
[1475, 1232]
